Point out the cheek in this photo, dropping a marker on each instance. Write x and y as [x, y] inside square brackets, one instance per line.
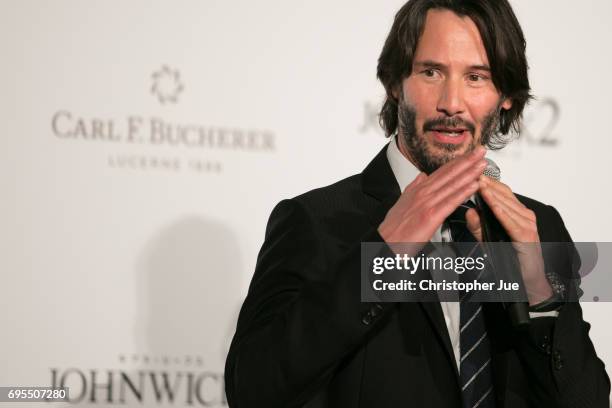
[482, 104]
[420, 96]
[422, 99]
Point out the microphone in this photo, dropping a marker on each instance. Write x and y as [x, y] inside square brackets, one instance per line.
[493, 231]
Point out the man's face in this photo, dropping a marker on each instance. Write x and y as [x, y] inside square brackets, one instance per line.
[449, 104]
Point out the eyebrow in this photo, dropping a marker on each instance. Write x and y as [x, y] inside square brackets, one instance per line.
[439, 65]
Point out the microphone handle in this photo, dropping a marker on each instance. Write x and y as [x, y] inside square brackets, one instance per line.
[493, 231]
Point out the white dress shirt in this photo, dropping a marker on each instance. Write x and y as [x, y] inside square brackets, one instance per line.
[405, 172]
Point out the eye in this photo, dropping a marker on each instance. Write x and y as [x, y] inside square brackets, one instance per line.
[476, 78]
[430, 73]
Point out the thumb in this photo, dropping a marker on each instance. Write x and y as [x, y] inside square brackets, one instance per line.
[473, 223]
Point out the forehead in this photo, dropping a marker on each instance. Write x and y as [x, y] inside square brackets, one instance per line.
[451, 40]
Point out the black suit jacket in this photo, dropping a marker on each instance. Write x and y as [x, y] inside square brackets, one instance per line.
[304, 338]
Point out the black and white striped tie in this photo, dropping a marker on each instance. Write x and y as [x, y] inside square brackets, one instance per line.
[475, 373]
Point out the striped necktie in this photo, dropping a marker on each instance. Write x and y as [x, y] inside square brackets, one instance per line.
[475, 373]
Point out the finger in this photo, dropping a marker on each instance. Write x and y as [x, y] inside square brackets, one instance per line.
[499, 187]
[519, 209]
[505, 192]
[419, 179]
[462, 181]
[472, 220]
[456, 167]
[509, 222]
[515, 209]
[496, 185]
[453, 200]
[506, 221]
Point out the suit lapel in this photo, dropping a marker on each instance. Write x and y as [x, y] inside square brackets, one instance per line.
[379, 182]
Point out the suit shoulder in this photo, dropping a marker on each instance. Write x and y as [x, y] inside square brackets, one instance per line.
[317, 203]
[335, 195]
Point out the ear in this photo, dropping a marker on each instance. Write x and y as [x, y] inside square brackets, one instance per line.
[507, 104]
[395, 91]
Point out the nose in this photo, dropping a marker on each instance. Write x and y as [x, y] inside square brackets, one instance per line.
[450, 101]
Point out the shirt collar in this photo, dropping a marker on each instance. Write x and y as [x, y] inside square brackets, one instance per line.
[403, 169]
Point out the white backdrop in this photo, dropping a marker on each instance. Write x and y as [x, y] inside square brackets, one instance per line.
[145, 143]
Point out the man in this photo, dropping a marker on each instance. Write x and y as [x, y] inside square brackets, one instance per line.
[455, 73]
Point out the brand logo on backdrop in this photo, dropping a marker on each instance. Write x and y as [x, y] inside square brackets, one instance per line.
[540, 121]
[167, 84]
[164, 143]
[145, 380]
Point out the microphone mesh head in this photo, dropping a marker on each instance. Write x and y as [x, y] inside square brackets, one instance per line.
[492, 170]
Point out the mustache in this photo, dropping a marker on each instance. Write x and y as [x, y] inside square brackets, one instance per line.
[448, 122]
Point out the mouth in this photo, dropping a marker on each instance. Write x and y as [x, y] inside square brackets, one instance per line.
[452, 132]
[449, 135]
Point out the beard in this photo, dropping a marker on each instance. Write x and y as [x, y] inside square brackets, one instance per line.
[421, 151]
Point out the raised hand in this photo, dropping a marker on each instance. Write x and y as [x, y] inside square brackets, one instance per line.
[429, 200]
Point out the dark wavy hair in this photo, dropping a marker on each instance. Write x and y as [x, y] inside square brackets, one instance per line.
[504, 43]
